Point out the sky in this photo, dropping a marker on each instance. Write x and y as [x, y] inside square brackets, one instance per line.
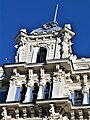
[31, 14]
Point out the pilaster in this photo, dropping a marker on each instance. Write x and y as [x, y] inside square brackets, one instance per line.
[43, 79]
[58, 83]
[30, 83]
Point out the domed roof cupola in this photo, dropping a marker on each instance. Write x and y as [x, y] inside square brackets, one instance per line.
[48, 27]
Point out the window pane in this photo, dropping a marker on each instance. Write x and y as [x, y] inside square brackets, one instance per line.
[17, 96]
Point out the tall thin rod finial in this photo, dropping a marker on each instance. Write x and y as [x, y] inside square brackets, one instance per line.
[55, 16]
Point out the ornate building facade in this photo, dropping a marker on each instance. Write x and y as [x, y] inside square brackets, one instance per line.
[47, 82]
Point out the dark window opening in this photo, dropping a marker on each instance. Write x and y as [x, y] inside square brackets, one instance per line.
[3, 96]
[35, 92]
[41, 56]
[47, 89]
[78, 97]
[23, 93]
[89, 97]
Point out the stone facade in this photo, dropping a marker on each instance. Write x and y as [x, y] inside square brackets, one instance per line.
[47, 81]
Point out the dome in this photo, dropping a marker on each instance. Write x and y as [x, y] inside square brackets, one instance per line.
[48, 27]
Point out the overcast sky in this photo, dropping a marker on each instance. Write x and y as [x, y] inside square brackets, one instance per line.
[31, 14]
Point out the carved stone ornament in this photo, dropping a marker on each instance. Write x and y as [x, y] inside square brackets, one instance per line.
[42, 44]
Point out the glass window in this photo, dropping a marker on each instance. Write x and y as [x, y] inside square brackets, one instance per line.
[17, 96]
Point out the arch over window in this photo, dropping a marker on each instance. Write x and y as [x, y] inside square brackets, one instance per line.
[41, 56]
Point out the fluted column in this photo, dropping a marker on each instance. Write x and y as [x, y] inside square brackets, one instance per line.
[41, 92]
[28, 96]
[80, 114]
[44, 87]
[58, 83]
[72, 115]
[11, 91]
[42, 83]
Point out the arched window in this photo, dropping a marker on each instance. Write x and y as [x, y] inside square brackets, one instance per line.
[41, 56]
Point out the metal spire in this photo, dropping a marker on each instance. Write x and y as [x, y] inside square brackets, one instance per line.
[55, 16]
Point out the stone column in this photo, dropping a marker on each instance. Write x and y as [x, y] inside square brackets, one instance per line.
[28, 96]
[72, 115]
[80, 114]
[17, 113]
[41, 92]
[85, 90]
[58, 85]
[11, 91]
[85, 100]
[42, 83]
